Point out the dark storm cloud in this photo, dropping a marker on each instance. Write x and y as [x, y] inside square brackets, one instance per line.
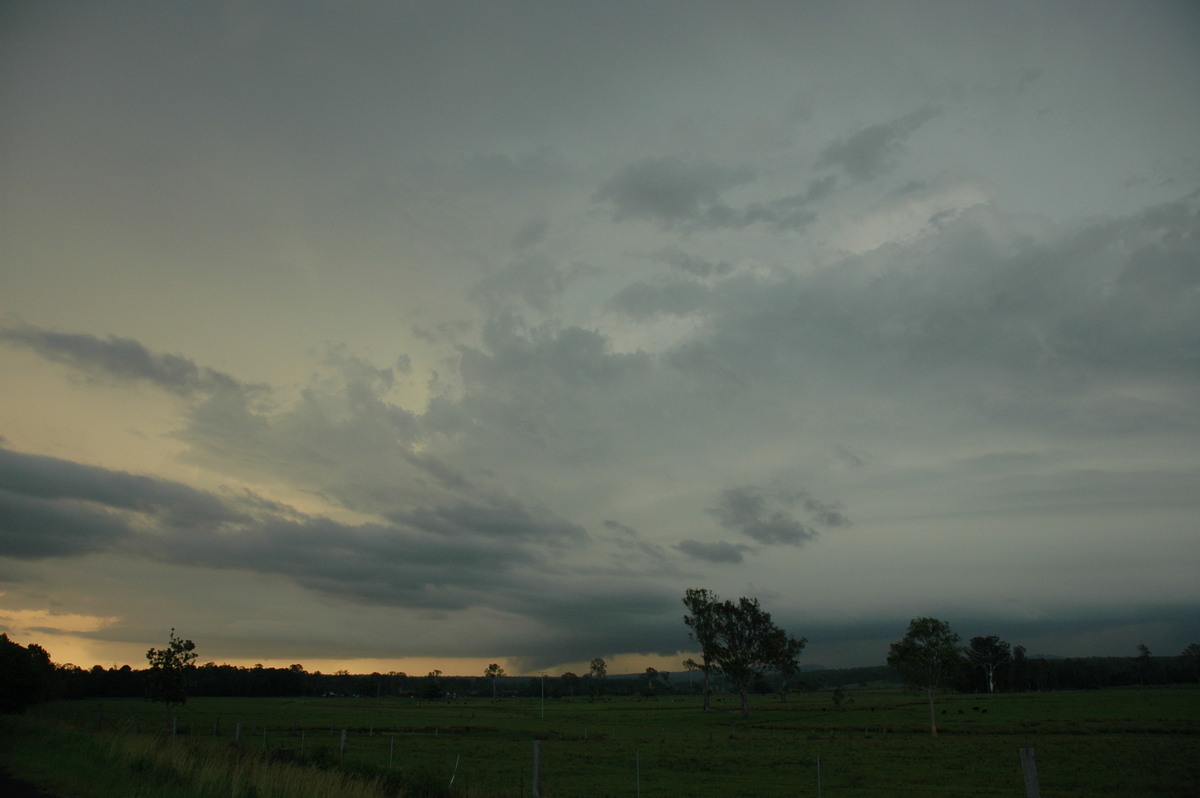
[39, 528]
[51, 479]
[868, 153]
[122, 359]
[673, 191]
[442, 556]
[718, 552]
[679, 193]
[634, 550]
[768, 517]
[746, 510]
[393, 565]
[641, 301]
[1043, 319]
[500, 519]
[692, 264]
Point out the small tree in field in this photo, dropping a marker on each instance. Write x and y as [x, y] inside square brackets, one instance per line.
[168, 678]
[988, 654]
[927, 657]
[1190, 656]
[598, 669]
[494, 672]
[570, 682]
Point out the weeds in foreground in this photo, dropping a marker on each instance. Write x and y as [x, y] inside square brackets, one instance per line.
[119, 763]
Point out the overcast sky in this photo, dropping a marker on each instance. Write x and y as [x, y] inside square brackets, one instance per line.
[432, 334]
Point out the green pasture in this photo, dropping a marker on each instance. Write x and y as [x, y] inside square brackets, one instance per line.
[1127, 742]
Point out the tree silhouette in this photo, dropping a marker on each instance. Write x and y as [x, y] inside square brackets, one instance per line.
[494, 672]
[988, 654]
[169, 675]
[26, 673]
[740, 639]
[700, 603]
[598, 669]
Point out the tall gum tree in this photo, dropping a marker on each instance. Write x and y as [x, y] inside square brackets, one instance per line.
[740, 639]
[988, 654]
[700, 603]
[927, 657]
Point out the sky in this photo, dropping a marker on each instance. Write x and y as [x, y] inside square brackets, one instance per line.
[413, 335]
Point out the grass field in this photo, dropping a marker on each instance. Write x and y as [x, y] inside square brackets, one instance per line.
[1126, 742]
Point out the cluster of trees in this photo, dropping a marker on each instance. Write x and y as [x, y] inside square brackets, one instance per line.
[739, 640]
[26, 675]
[931, 657]
[742, 651]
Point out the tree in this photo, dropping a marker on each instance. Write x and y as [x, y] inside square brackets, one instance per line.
[494, 672]
[1143, 664]
[740, 639]
[788, 664]
[654, 679]
[988, 654]
[26, 673]
[1191, 659]
[571, 682]
[926, 657]
[839, 698]
[701, 605]
[1018, 671]
[431, 687]
[598, 669]
[169, 676]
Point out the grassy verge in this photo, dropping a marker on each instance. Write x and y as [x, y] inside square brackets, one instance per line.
[1095, 744]
[117, 763]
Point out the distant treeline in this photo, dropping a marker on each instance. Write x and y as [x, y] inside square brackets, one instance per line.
[27, 676]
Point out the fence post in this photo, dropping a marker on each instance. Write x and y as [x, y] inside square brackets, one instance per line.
[1029, 768]
[818, 776]
[237, 732]
[343, 746]
[537, 769]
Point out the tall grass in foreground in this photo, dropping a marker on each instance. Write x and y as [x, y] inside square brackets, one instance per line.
[230, 771]
[118, 763]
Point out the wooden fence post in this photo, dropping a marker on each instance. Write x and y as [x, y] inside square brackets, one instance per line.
[537, 769]
[343, 746]
[1029, 768]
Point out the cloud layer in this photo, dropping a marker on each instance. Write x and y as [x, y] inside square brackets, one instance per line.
[496, 331]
